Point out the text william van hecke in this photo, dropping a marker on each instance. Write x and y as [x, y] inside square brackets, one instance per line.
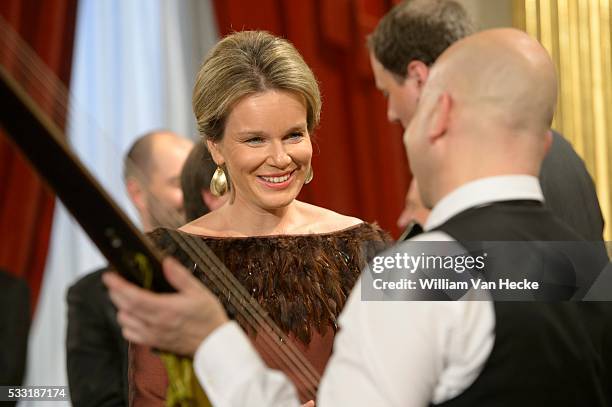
[448, 284]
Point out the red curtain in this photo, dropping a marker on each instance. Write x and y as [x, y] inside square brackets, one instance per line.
[26, 206]
[359, 161]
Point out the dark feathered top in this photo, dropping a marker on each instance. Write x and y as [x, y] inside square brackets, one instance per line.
[302, 281]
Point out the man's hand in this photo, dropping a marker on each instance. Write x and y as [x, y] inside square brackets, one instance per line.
[176, 322]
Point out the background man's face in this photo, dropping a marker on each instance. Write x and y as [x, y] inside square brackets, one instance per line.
[401, 98]
[164, 194]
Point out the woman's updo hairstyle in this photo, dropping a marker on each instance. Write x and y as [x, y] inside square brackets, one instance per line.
[246, 63]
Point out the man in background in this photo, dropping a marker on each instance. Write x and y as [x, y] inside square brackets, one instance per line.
[409, 39]
[97, 353]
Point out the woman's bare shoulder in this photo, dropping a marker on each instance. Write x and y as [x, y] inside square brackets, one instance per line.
[324, 220]
[207, 225]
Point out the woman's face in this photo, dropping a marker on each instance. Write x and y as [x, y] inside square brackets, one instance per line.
[266, 148]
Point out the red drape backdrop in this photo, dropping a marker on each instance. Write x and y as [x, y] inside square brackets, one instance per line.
[26, 205]
[359, 165]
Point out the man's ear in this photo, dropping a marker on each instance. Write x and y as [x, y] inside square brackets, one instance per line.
[136, 193]
[418, 71]
[441, 117]
[215, 152]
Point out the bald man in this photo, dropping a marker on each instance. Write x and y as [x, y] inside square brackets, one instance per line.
[476, 144]
[95, 349]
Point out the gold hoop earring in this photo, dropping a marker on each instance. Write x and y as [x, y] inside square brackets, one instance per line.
[218, 183]
[309, 176]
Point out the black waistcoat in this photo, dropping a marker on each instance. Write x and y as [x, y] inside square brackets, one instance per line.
[545, 353]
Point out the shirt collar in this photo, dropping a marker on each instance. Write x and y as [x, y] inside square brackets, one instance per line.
[484, 191]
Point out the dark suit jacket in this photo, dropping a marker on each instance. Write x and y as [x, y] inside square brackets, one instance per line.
[569, 190]
[96, 351]
[14, 328]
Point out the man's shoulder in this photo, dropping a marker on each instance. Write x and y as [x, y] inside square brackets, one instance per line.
[561, 148]
[11, 282]
[89, 283]
[15, 289]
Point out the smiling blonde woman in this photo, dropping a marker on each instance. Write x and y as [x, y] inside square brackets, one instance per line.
[257, 104]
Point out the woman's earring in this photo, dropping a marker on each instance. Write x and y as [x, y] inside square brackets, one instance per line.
[218, 183]
[309, 176]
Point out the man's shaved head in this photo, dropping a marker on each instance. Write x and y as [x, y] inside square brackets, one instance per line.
[141, 158]
[505, 72]
[485, 110]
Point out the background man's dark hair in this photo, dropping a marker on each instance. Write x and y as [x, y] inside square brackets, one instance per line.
[418, 30]
[195, 177]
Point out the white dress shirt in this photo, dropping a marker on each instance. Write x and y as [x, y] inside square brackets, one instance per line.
[390, 353]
